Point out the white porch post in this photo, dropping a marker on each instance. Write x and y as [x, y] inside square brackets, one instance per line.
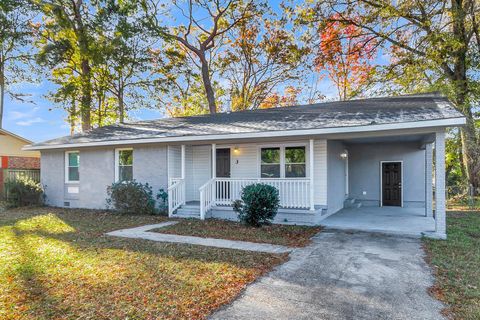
[169, 179]
[183, 174]
[169, 176]
[214, 160]
[311, 153]
[440, 215]
[428, 180]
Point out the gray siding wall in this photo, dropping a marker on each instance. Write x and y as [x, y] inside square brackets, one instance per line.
[97, 172]
[150, 165]
[364, 171]
[335, 176]
[198, 169]
[174, 161]
[244, 162]
[52, 176]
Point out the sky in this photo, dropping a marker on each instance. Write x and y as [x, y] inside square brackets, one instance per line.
[42, 120]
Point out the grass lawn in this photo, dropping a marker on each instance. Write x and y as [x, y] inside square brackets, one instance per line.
[463, 204]
[294, 236]
[456, 262]
[58, 264]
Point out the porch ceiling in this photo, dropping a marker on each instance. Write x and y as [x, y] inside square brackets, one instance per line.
[421, 138]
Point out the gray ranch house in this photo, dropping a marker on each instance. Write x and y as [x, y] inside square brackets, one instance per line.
[368, 161]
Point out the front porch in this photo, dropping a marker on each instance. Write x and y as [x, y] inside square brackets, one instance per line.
[204, 180]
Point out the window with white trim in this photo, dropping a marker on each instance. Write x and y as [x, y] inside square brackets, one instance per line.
[270, 166]
[295, 162]
[124, 171]
[72, 166]
[283, 161]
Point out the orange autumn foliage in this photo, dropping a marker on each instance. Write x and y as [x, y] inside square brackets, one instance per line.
[274, 100]
[346, 56]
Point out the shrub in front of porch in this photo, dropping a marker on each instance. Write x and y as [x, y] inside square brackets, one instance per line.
[131, 197]
[259, 204]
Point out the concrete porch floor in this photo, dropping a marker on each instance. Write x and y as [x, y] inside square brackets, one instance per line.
[393, 220]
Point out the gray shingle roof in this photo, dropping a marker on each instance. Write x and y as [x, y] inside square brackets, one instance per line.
[364, 112]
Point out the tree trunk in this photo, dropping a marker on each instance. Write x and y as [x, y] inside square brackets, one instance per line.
[85, 77]
[86, 100]
[458, 145]
[2, 89]
[73, 113]
[468, 134]
[121, 105]
[207, 83]
[471, 154]
[99, 111]
[469, 137]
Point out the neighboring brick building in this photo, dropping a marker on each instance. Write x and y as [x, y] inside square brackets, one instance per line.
[13, 158]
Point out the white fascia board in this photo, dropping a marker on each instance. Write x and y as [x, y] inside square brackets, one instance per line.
[452, 122]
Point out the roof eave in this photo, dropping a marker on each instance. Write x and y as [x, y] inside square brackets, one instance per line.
[450, 122]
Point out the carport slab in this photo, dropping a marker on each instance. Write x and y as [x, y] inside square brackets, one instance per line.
[391, 220]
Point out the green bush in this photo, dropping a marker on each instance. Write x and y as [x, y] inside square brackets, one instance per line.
[23, 192]
[131, 197]
[259, 204]
[162, 195]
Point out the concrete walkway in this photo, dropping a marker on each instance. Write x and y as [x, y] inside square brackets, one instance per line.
[142, 233]
[344, 275]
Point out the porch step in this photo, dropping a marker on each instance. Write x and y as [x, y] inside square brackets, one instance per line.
[188, 211]
[352, 203]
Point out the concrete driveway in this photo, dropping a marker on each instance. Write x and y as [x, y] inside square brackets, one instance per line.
[343, 275]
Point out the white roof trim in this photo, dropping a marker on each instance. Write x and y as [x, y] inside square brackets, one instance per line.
[452, 122]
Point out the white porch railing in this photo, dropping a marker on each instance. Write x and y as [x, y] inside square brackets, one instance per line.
[294, 193]
[176, 195]
[207, 197]
[171, 181]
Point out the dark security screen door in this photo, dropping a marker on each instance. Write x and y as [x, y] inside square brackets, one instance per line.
[223, 163]
[392, 183]
[223, 171]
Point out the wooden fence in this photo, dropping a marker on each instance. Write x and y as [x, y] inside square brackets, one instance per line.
[15, 174]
